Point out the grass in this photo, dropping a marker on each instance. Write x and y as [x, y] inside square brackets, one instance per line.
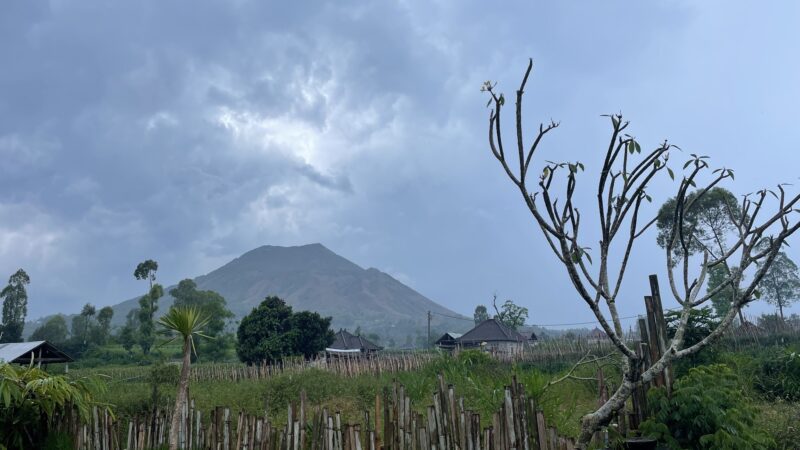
[481, 381]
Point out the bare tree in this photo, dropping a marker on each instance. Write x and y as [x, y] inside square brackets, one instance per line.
[622, 187]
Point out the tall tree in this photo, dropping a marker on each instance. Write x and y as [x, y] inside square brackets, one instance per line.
[104, 317]
[128, 335]
[213, 306]
[15, 306]
[708, 222]
[481, 314]
[148, 304]
[723, 294]
[88, 313]
[54, 330]
[510, 314]
[186, 323]
[781, 283]
[621, 196]
[146, 270]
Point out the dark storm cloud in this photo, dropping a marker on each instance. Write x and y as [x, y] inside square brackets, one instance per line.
[190, 132]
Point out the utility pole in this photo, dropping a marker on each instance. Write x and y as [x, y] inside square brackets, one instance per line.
[428, 343]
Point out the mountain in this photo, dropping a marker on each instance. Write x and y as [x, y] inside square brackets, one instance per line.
[312, 277]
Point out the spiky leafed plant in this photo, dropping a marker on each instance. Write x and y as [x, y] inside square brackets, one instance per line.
[30, 399]
[185, 323]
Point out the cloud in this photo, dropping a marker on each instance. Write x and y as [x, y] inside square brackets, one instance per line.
[191, 132]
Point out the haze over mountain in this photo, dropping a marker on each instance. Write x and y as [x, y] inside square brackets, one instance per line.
[312, 277]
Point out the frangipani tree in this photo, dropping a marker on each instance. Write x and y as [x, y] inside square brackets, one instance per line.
[621, 190]
[185, 322]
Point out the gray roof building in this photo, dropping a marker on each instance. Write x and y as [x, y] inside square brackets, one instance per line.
[347, 342]
[491, 330]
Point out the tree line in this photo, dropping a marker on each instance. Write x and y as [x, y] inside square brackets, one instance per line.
[272, 330]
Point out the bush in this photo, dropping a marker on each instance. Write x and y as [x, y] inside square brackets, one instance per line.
[778, 375]
[57, 441]
[31, 398]
[781, 420]
[706, 410]
[474, 358]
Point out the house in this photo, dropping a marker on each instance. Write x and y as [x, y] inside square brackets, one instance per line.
[493, 336]
[596, 336]
[35, 352]
[448, 340]
[346, 344]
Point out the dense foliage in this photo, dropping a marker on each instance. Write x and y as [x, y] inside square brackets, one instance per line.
[778, 374]
[511, 314]
[273, 331]
[53, 330]
[481, 314]
[148, 304]
[213, 306]
[781, 283]
[15, 307]
[30, 398]
[706, 410]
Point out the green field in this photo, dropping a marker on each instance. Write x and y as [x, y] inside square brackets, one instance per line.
[476, 377]
[479, 380]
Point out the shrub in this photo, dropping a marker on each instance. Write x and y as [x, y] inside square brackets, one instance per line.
[474, 358]
[781, 420]
[778, 374]
[706, 410]
[57, 441]
[31, 398]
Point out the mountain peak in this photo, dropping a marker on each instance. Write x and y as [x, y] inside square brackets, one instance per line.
[314, 278]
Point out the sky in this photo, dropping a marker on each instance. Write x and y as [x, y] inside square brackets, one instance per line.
[190, 132]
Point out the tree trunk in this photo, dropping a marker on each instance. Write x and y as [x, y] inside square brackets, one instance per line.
[183, 395]
[602, 416]
[780, 308]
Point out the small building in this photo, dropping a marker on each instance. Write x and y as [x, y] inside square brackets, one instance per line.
[448, 340]
[347, 344]
[34, 352]
[493, 336]
[597, 336]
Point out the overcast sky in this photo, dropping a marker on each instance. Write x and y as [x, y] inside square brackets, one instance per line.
[192, 131]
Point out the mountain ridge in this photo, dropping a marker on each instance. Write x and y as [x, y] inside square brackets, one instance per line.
[312, 277]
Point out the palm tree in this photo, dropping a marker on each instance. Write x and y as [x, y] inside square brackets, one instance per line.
[186, 322]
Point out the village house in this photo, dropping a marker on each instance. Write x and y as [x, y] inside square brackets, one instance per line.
[447, 341]
[345, 344]
[597, 336]
[494, 337]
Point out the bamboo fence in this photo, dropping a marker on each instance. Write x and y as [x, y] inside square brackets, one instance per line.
[347, 366]
[394, 424]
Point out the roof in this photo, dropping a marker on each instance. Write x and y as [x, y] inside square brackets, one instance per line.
[491, 330]
[43, 352]
[344, 340]
[597, 333]
[449, 336]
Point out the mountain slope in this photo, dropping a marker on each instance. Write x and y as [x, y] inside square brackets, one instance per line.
[311, 277]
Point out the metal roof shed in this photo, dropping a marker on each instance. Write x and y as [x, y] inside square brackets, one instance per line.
[36, 352]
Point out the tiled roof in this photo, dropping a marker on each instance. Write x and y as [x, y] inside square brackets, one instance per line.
[346, 341]
[491, 330]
